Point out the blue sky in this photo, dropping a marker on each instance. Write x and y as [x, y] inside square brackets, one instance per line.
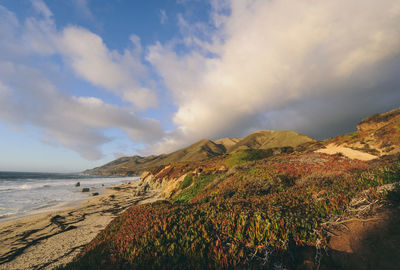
[83, 82]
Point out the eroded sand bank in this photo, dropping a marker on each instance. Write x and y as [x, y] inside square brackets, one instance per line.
[332, 149]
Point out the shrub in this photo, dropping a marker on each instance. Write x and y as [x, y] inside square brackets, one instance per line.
[187, 181]
[247, 155]
[199, 184]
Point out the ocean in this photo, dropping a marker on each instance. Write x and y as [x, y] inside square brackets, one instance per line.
[24, 193]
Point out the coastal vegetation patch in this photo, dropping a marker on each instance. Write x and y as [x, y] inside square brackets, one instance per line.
[261, 214]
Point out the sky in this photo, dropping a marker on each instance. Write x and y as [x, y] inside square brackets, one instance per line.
[83, 82]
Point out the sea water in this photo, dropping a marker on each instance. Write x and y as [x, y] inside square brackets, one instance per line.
[23, 193]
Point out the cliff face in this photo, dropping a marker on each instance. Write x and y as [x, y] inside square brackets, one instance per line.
[165, 183]
[168, 178]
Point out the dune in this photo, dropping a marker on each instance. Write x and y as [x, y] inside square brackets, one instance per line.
[332, 149]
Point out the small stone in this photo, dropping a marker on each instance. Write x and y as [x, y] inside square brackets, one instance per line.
[86, 189]
[222, 168]
[78, 184]
[95, 193]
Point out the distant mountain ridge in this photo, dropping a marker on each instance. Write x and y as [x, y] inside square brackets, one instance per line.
[203, 149]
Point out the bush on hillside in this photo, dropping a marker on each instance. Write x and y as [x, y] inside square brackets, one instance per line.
[187, 181]
[247, 155]
[199, 183]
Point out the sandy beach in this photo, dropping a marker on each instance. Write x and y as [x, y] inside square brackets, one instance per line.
[46, 240]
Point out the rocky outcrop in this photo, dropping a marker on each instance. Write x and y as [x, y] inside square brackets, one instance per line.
[167, 179]
[163, 181]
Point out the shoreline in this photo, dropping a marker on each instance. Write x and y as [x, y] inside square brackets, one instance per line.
[48, 209]
[49, 239]
[50, 193]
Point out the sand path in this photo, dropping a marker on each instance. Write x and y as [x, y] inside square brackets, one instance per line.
[50, 239]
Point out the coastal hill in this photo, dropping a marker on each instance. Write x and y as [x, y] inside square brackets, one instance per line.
[265, 139]
[377, 135]
[263, 208]
[135, 165]
[227, 142]
[203, 149]
[266, 209]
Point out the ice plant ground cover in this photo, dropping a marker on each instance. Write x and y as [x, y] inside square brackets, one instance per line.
[255, 214]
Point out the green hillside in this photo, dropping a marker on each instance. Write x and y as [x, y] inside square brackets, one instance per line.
[265, 139]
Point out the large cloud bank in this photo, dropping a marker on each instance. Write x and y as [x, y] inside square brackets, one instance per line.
[312, 66]
[307, 65]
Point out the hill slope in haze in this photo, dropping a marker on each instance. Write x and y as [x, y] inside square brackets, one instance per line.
[203, 149]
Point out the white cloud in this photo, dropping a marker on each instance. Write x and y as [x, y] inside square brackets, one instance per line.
[268, 55]
[83, 9]
[74, 122]
[40, 36]
[123, 74]
[92, 61]
[163, 16]
[29, 96]
[41, 8]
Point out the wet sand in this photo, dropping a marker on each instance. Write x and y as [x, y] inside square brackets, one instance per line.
[46, 240]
